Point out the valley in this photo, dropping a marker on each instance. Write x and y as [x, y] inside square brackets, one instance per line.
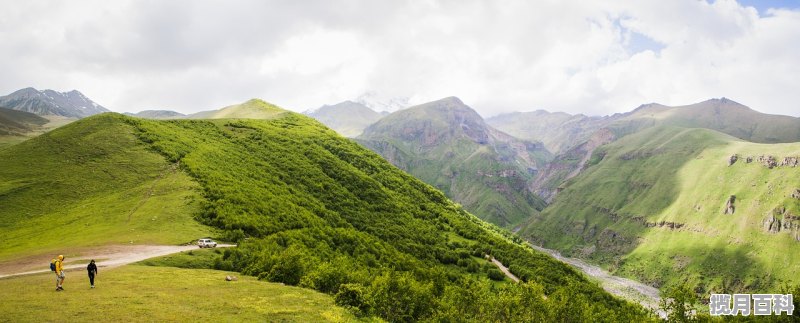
[351, 226]
[400, 161]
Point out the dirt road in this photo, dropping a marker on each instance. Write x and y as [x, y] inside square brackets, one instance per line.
[505, 270]
[106, 256]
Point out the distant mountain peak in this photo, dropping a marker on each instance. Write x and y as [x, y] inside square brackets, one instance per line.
[377, 102]
[722, 101]
[348, 118]
[71, 104]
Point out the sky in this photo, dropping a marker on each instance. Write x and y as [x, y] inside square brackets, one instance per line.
[496, 56]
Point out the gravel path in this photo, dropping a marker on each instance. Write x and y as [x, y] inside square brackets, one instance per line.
[105, 257]
[505, 270]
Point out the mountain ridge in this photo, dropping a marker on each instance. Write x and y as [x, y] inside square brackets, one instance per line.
[72, 104]
[447, 144]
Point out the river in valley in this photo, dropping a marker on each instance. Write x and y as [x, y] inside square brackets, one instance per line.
[631, 290]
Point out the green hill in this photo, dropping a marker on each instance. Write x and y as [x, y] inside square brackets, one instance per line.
[16, 126]
[448, 145]
[252, 109]
[308, 207]
[651, 205]
[723, 115]
[92, 183]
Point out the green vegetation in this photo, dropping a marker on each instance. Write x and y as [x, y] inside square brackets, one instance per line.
[446, 144]
[651, 206]
[92, 183]
[308, 207]
[313, 209]
[162, 294]
[252, 109]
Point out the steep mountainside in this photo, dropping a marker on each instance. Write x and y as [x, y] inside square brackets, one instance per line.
[670, 205]
[307, 207]
[448, 145]
[568, 164]
[252, 109]
[348, 118]
[72, 104]
[157, 114]
[559, 131]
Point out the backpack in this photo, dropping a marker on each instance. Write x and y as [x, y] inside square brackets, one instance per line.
[53, 265]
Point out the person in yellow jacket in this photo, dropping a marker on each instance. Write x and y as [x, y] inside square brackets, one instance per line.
[59, 273]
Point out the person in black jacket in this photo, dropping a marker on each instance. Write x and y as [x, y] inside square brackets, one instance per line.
[92, 268]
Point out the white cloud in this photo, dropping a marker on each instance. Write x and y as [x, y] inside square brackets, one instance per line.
[498, 56]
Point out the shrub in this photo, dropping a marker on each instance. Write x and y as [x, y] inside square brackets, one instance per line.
[495, 274]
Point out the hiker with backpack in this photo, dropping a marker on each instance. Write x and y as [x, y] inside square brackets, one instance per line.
[58, 267]
[92, 268]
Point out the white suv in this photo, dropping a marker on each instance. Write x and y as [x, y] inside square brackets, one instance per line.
[206, 243]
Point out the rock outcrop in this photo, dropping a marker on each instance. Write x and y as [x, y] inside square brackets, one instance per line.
[729, 207]
[732, 160]
[780, 219]
[796, 194]
[768, 161]
[662, 224]
[789, 161]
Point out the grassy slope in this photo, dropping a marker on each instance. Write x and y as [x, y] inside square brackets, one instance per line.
[252, 109]
[162, 294]
[678, 175]
[92, 183]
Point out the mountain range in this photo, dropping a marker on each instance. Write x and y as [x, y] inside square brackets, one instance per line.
[703, 195]
[157, 114]
[448, 145]
[72, 104]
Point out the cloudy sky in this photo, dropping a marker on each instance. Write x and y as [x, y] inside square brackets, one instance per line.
[497, 56]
